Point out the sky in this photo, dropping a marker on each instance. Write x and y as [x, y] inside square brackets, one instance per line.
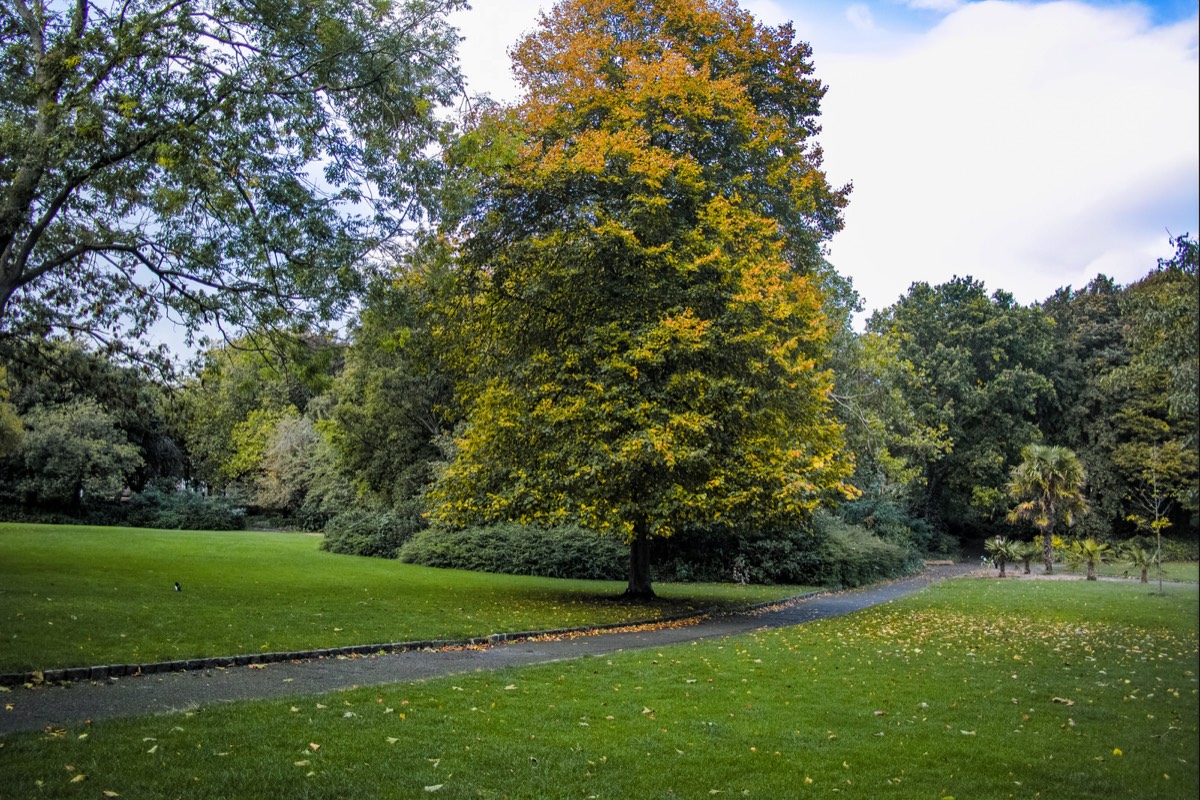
[1029, 145]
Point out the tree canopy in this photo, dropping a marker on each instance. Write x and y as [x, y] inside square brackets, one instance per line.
[211, 160]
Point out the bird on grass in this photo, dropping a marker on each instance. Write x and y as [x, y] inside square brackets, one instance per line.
[177, 587]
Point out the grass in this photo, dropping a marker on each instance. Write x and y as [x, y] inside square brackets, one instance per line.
[80, 596]
[975, 688]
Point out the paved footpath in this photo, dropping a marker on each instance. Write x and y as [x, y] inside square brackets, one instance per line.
[63, 705]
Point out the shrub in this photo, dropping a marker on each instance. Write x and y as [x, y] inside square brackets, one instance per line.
[832, 553]
[180, 511]
[892, 523]
[1172, 549]
[363, 532]
[562, 552]
[849, 555]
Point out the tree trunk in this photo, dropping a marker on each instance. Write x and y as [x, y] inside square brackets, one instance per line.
[1000, 563]
[1091, 573]
[1048, 552]
[1028, 570]
[1145, 576]
[639, 565]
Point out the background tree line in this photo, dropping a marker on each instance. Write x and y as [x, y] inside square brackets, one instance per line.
[937, 397]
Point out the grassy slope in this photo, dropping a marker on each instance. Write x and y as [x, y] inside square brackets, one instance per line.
[78, 596]
[976, 688]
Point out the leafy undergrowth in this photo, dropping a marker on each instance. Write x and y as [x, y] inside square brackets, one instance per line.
[79, 596]
[972, 689]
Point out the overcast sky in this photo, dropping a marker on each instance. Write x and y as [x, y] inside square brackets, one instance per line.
[1030, 145]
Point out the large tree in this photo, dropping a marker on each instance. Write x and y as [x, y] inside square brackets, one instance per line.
[640, 335]
[211, 160]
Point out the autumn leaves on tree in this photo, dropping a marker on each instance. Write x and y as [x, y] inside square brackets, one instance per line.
[638, 337]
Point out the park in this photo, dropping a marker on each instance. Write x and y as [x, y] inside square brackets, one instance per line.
[363, 434]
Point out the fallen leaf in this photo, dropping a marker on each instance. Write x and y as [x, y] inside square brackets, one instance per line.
[152, 749]
[109, 793]
[313, 746]
[434, 788]
[392, 740]
[303, 763]
[78, 778]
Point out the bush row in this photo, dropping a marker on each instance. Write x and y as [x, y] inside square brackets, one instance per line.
[561, 552]
[833, 553]
[152, 508]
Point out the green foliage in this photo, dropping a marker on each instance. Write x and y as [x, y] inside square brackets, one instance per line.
[70, 452]
[978, 375]
[891, 444]
[849, 555]
[183, 510]
[1125, 381]
[395, 398]
[561, 552]
[212, 160]
[56, 372]
[363, 532]
[1173, 548]
[891, 521]
[241, 392]
[10, 424]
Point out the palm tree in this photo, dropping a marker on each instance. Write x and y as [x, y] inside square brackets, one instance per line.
[1002, 551]
[1089, 552]
[1028, 552]
[1048, 487]
[1141, 559]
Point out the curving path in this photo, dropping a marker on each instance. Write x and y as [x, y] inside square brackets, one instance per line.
[63, 705]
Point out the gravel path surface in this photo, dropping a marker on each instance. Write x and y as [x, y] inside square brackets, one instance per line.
[63, 705]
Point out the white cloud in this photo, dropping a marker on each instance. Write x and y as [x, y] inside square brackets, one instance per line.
[860, 16]
[768, 12]
[944, 6]
[1028, 146]
[489, 29]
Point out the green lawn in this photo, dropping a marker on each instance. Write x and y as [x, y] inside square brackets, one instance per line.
[80, 596]
[975, 688]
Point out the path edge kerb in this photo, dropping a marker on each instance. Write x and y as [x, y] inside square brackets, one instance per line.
[104, 672]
